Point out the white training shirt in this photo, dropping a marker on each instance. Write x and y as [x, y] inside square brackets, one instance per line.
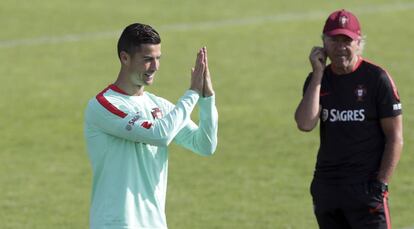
[127, 138]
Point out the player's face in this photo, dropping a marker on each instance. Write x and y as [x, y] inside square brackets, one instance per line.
[341, 50]
[144, 64]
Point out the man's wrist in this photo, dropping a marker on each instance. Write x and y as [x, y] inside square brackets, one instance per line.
[318, 72]
[195, 90]
[208, 94]
[382, 185]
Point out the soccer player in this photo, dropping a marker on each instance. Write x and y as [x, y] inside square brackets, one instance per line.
[361, 139]
[128, 130]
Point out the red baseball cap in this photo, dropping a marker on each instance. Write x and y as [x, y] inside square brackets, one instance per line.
[342, 22]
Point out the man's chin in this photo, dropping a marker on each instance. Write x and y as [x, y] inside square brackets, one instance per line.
[149, 82]
[340, 62]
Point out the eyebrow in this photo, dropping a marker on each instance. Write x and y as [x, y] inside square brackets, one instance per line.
[151, 57]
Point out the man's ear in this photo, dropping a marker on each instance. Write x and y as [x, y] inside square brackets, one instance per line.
[125, 58]
[323, 41]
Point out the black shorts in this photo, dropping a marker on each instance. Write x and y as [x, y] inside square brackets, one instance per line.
[354, 206]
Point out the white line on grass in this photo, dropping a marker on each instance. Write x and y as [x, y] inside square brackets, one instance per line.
[291, 16]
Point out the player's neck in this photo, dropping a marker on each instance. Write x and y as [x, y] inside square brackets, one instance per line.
[128, 87]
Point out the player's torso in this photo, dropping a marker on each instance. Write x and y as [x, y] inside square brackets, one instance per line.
[349, 119]
[348, 100]
[147, 106]
[133, 175]
[350, 131]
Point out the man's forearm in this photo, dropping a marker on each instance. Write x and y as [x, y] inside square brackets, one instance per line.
[390, 160]
[307, 113]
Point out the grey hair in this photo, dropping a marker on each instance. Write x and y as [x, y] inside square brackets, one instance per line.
[362, 42]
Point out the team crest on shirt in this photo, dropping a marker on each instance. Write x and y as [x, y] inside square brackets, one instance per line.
[360, 92]
[156, 113]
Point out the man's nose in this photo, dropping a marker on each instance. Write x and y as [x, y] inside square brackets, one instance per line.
[341, 45]
[155, 64]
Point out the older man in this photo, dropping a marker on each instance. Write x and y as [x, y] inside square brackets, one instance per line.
[360, 129]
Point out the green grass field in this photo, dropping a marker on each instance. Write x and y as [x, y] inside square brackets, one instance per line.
[55, 55]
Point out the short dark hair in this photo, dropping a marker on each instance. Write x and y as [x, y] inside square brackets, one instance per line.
[136, 34]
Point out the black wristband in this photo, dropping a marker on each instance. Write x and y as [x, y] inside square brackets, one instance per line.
[383, 186]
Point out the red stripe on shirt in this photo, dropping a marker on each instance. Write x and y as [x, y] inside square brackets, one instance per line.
[387, 210]
[394, 88]
[108, 105]
[113, 87]
[357, 64]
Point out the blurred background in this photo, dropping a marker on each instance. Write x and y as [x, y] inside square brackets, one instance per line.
[55, 55]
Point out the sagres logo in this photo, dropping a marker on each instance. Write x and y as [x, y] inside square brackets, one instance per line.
[131, 122]
[334, 115]
[325, 115]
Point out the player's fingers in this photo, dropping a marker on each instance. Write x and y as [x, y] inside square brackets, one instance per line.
[317, 52]
[198, 60]
[316, 49]
[200, 67]
[202, 64]
[205, 56]
[205, 60]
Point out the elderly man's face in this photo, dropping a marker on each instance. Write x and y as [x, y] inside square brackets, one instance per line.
[341, 50]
